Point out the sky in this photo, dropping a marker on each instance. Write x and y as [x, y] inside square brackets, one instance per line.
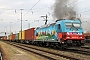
[10, 14]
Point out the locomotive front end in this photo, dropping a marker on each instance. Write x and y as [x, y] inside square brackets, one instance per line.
[72, 33]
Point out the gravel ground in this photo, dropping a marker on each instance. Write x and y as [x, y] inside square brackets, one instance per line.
[13, 53]
[70, 54]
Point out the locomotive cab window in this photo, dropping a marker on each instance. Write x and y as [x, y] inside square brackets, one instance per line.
[59, 26]
[69, 25]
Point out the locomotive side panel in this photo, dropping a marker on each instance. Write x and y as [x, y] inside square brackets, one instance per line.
[46, 33]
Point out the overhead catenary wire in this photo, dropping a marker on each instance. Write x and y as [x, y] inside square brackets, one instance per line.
[81, 9]
[69, 4]
[72, 2]
[32, 7]
[48, 7]
[76, 2]
[84, 11]
[42, 8]
[16, 11]
[23, 3]
[39, 0]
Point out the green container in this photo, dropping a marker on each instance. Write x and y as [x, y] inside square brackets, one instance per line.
[17, 36]
[8, 37]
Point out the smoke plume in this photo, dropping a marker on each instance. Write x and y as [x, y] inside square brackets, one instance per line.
[62, 10]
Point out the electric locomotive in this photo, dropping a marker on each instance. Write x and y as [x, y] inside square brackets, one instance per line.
[62, 33]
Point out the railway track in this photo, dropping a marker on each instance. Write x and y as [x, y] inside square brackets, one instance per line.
[87, 44]
[42, 52]
[83, 51]
[86, 47]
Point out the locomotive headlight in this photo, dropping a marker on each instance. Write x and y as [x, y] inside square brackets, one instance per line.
[80, 37]
[68, 37]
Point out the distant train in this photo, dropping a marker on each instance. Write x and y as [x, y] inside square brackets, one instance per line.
[61, 34]
[87, 37]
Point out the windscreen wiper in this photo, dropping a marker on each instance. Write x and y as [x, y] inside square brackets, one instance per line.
[73, 26]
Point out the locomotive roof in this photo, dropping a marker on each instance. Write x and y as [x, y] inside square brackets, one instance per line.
[65, 19]
[59, 20]
[46, 25]
[53, 23]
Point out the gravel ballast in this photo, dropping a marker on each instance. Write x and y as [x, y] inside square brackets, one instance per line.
[12, 53]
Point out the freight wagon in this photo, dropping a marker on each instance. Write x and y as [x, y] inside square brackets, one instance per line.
[27, 36]
[3, 38]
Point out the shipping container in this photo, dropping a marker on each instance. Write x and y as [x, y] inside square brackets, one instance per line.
[29, 34]
[23, 35]
[8, 37]
[17, 36]
[13, 37]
